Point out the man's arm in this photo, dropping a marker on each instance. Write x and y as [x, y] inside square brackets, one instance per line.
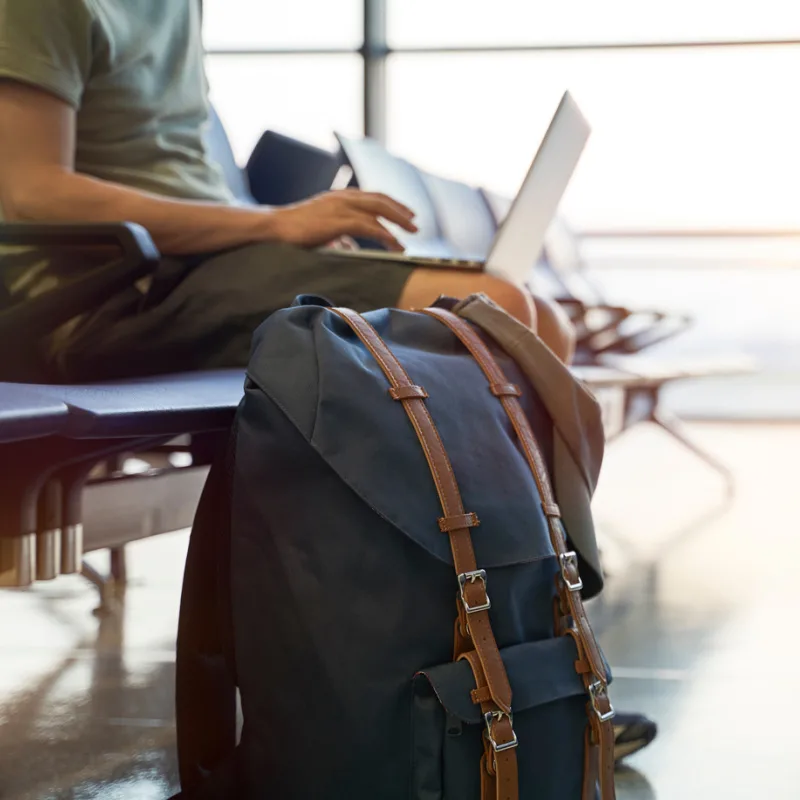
[38, 183]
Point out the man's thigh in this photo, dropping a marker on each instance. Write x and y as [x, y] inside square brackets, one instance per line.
[200, 313]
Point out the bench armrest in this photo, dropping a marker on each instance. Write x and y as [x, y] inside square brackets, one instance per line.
[133, 240]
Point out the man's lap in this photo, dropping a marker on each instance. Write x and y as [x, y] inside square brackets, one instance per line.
[200, 313]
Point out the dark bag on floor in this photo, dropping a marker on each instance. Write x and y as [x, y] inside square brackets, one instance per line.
[380, 566]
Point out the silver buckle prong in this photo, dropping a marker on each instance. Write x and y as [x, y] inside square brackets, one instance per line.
[567, 560]
[492, 716]
[595, 689]
[471, 577]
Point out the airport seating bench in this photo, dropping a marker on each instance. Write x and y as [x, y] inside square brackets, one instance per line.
[64, 490]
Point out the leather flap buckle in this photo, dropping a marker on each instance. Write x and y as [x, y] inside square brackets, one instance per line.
[471, 578]
[492, 718]
[569, 571]
[601, 703]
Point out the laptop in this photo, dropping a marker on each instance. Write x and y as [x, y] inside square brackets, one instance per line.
[518, 241]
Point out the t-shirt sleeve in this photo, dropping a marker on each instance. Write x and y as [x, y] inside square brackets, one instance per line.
[47, 43]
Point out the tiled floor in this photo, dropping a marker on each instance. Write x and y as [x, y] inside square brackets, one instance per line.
[705, 642]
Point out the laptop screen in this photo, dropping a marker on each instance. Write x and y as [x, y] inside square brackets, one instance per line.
[519, 241]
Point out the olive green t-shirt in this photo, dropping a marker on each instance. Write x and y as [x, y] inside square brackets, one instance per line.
[133, 71]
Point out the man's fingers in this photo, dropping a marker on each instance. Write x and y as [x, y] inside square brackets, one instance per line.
[367, 227]
[365, 197]
[382, 206]
[395, 204]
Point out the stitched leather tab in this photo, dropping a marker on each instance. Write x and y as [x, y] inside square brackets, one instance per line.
[551, 510]
[505, 390]
[482, 695]
[407, 392]
[447, 524]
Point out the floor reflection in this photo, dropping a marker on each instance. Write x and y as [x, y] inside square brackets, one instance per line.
[695, 631]
[86, 702]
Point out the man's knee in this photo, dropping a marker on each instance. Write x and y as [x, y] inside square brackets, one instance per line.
[514, 300]
[425, 285]
[555, 329]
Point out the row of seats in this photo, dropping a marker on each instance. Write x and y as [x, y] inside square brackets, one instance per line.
[65, 490]
[54, 438]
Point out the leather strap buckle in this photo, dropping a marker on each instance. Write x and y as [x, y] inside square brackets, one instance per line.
[598, 692]
[472, 577]
[569, 562]
[490, 717]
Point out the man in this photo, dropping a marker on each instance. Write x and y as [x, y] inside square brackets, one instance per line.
[103, 104]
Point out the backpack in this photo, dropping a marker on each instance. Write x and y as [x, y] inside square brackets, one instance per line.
[380, 567]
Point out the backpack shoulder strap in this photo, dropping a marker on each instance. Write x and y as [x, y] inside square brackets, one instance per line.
[474, 630]
[571, 614]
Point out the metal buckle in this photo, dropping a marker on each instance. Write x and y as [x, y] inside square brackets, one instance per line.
[598, 688]
[478, 575]
[492, 716]
[567, 560]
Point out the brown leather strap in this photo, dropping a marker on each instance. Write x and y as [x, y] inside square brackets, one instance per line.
[499, 773]
[602, 736]
[472, 582]
[569, 583]
[495, 375]
[591, 766]
[488, 785]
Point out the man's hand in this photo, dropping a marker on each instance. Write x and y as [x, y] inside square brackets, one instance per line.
[349, 212]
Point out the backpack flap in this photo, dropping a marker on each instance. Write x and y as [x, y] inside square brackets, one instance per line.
[312, 366]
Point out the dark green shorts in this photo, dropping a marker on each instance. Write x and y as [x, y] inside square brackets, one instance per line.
[200, 313]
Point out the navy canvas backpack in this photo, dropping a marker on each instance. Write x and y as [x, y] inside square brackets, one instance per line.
[381, 569]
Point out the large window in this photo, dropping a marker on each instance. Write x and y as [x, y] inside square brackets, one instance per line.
[292, 67]
[307, 96]
[697, 138]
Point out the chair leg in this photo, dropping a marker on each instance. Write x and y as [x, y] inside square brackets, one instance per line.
[105, 589]
[673, 426]
[119, 570]
[111, 587]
